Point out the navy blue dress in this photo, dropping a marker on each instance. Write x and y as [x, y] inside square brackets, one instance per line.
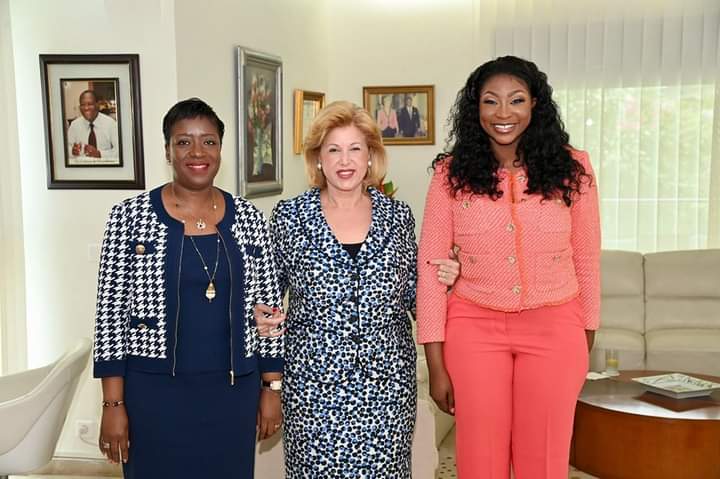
[195, 424]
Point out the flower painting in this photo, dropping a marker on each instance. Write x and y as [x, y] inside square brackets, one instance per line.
[260, 132]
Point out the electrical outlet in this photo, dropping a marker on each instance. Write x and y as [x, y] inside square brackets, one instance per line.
[86, 429]
[93, 252]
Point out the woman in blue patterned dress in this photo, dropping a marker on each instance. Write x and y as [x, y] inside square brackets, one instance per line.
[347, 254]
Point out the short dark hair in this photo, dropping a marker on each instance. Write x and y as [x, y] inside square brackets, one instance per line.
[88, 91]
[190, 108]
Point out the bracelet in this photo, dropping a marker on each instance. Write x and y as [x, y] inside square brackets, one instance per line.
[112, 403]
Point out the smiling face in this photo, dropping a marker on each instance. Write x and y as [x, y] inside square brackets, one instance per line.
[505, 110]
[344, 158]
[88, 106]
[194, 152]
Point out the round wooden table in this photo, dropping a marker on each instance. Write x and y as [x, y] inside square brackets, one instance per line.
[621, 431]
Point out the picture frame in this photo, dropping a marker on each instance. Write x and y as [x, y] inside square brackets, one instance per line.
[259, 103]
[307, 104]
[92, 121]
[400, 123]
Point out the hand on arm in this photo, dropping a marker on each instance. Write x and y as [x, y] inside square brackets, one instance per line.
[448, 269]
[270, 321]
[114, 442]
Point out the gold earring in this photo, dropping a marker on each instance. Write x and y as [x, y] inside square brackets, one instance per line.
[319, 166]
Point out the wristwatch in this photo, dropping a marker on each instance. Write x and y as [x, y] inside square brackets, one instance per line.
[274, 385]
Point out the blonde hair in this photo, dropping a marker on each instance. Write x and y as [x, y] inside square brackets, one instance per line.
[339, 114]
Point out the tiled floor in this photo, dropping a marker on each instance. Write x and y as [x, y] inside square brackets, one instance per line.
[447, 470]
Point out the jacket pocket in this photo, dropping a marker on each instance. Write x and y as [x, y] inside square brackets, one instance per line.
[468, 217]
[143, 323]
[140, 248]
[474, 268]
[553, 270]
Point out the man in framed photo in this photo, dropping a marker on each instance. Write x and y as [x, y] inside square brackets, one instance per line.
[408, 118]
[93, 134]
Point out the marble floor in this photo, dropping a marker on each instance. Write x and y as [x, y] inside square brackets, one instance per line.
[446, 469]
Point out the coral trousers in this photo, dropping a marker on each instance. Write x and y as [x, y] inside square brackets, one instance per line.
[516, 379]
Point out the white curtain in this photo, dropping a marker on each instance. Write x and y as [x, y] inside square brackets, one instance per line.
[638, 86]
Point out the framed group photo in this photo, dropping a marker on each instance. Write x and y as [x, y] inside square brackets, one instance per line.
[307, 105]
[405, 114]
[259, 123]
[93, 125]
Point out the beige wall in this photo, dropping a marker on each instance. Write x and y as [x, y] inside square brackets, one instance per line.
[331, 46]
[62, 228]
[293, 30]
[376, 43]
[12, 289]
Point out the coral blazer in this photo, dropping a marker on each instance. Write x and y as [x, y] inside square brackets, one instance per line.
[516, 253]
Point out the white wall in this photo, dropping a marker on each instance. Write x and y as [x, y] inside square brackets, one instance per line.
[331, 46]
[206, 58]
[404, 42]
[60, 226]
[12, 276]
[184, 51]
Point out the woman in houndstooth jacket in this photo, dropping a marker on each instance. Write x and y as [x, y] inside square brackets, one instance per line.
[175, 341]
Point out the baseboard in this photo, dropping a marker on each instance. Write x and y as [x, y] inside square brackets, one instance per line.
[81, 467]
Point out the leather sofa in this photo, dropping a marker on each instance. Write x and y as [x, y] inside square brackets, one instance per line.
[661, 311]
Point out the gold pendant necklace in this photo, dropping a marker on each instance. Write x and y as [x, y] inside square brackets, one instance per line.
[210, 292]
[200, 223]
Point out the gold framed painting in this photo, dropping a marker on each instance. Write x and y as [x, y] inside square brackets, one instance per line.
[405, 114]
[307, 106]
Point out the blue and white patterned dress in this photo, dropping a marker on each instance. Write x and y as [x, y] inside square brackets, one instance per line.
[349, 393]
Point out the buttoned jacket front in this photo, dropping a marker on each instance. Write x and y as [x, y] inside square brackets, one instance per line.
[139, 286]
[346, 314]
[518, 252]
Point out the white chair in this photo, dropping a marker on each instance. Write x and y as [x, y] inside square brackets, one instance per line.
[33, 408]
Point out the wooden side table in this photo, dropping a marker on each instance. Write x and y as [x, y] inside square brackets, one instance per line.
[623, 432]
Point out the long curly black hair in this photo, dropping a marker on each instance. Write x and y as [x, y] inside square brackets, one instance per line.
[543, 149]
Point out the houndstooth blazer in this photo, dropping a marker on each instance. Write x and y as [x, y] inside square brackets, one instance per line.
[139, 286]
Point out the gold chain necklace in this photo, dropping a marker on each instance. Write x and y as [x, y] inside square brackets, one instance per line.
[199, 223]
[210, 290]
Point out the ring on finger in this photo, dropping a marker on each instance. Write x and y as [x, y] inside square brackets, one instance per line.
[106, 445]
[277, 426]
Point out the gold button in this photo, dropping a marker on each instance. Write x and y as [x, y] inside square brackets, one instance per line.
[523, 200]
[510, 227]
[516, 289]
[511, 259]
[140, 248]
[471, 260]
[142, 326]
[466, 204]
[556, 258]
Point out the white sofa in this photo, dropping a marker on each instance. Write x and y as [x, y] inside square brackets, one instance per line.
[661, 311]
